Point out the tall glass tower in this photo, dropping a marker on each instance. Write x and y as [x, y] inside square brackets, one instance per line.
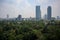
[49, 13]
[38, 13]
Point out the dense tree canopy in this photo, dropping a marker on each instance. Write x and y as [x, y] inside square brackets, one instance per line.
[29, 30]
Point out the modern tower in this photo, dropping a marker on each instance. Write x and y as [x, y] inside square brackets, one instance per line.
[38, 13]
[49, 13]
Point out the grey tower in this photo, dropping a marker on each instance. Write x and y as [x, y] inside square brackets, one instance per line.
[49, 13]
[7, 16]
[38, 13]
[19, 17]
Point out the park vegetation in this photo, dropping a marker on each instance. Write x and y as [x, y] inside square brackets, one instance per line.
[29, 30]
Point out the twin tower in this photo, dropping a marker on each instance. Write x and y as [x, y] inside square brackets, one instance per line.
[38, 13]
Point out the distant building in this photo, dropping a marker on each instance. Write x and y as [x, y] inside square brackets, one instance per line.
[45, 17]
[49, 12]
[58, 18]
[7, 16]
[38, 13]
[19, 17]
[53, 18]
[29, 19]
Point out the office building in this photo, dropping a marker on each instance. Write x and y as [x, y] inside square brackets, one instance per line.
[45, 17]
[19, 17]
[49, 12]
[38, 13]
[58, 18]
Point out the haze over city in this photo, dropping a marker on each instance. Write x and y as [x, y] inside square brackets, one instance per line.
[29, 19]
[27, 7]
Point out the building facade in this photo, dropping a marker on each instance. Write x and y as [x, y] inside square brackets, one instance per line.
[38, 13]
[49, 12]
[19, 17]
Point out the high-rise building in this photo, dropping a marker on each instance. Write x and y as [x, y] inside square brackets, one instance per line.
[38, 13]
[19, 17]
[49, 11]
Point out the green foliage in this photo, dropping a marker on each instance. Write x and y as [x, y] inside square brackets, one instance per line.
[29, 30]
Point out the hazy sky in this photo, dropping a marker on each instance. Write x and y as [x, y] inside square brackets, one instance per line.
[27, 7]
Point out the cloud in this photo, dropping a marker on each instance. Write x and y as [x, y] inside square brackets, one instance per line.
[56, 8]
[16, 8]
[9, 9]
[27, 7]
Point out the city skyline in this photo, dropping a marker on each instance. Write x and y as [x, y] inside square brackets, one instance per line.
[27, 7]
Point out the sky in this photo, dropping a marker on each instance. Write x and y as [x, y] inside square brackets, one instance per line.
[26, 8]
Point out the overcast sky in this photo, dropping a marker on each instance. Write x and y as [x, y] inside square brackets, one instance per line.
[26, 8]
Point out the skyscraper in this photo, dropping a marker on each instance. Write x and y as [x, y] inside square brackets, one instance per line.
[49, 13]
[38, 13]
